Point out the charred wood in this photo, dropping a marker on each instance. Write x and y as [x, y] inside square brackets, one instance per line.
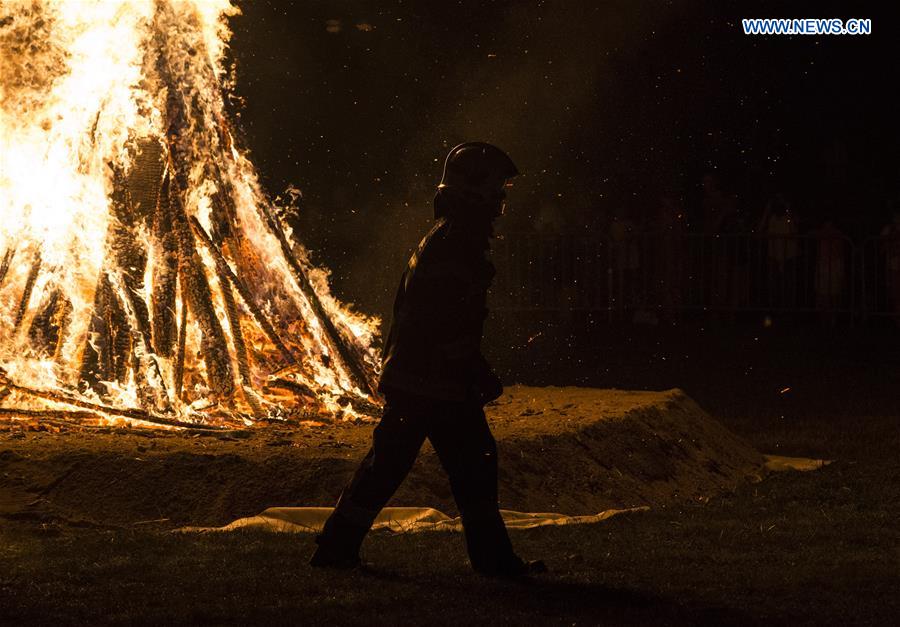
[351, 361]
[4, 265]
[228, 276]
[129, 257]
[29, 288]
[146, 371]
[165, 274]
[182, 338]
[296, 387]
[127, 412]
[214, 346]
[82, 418]
[240, 349]
[195, 286]
[47, 326]
[95, 364]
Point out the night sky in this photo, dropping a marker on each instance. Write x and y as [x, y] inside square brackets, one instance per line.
[605, 107]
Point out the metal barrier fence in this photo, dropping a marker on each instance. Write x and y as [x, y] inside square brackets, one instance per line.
[693, 272]
[880, 277]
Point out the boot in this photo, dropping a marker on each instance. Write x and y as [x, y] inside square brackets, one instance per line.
[338, 544]
[514, 568]
[491, 553]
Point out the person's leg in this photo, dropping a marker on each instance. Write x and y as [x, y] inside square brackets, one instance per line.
[463, 442]
[395, 444]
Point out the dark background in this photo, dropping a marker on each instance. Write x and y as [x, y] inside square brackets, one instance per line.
[604, 106]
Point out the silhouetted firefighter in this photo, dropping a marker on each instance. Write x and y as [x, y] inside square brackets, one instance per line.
[435, 379]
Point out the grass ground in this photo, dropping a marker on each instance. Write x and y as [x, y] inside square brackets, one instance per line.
[799, 548]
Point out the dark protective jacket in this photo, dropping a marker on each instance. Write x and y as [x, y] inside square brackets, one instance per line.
[433, 347]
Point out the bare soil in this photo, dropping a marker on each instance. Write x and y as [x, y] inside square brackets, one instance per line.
[571, 450]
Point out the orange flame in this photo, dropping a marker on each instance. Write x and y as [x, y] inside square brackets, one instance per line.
[144, 268]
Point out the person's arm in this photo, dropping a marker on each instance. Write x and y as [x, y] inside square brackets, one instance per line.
[451, 299]
[439, 295]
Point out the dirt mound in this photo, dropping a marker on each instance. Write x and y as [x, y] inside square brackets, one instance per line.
[571, 450]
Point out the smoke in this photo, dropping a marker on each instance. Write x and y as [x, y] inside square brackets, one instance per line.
[361, 119]
[531, 80]
[603, 106]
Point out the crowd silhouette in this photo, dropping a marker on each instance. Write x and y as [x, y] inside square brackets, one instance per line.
[719, 254]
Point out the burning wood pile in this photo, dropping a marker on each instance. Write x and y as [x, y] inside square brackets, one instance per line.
[144, 275]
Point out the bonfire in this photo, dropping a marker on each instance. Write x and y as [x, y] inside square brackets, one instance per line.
[145, 276]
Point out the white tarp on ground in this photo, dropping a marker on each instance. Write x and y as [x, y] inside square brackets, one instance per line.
[416, 519]
[398, 519]
[779, 463]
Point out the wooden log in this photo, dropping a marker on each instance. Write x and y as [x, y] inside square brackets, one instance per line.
[120, 315]
[240, 348]
[107, 352]
[125, 272]
[361, 406]
[7, 261]
[120, 334]
[47, 328]
[131, 413]
[129, 258]
[350, 361]
[165, 274]
[43, 334]
[71, 416]
[294, 386]
[300, 389]
[230, 277]
[181, 97]
[79, 417]
[94, 349]
[96, 360]
[182, 338]
[144, 179]
[214, 346]
[145, 369]
[29, 288]
[61, 320]
[75, 415]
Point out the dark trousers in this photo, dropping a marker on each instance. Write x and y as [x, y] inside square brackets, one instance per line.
[463, 442]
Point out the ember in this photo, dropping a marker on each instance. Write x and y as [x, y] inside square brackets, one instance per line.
[144, 275]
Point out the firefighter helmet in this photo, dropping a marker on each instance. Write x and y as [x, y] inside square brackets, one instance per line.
[476, 172]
